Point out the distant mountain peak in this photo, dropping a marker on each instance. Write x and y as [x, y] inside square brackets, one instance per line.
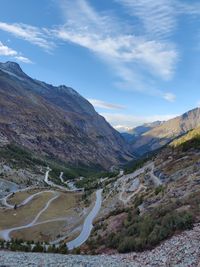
[56, 122]
[12, 68]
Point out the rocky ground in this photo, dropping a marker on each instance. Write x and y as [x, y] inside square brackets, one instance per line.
[180, 251]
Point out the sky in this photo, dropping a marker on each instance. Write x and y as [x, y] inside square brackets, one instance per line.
[136, 61]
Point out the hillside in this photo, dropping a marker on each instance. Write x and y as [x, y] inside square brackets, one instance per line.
[154, 201]
[145, 212]
[166, 132]
[188, 141]
[135, 133]
[55, 122]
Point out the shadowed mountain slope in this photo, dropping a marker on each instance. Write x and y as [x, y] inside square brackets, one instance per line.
[55, 122]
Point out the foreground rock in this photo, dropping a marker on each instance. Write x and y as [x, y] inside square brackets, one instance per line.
[37, 259]
[180, 251]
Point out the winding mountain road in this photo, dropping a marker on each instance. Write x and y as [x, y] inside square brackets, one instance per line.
[52, 184]
[87, 225]
[122, 182]
[5, 234]
[4, 200]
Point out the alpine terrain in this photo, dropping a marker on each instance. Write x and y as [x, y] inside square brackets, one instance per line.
[70, 185]
[55, 122]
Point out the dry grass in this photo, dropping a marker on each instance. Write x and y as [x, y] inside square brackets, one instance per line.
[67, 204]
[43, 232]
[25, 214]
[18, 197]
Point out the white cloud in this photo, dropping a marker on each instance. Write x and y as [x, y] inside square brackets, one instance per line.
[101, 104]
[9, 52]
[169, 97]
[104, 36]
[131, 56]
[23, 59]
[131, 121]
[135, 59]
[29, 33]
[184, 8]
[139, 55]
[159, 18]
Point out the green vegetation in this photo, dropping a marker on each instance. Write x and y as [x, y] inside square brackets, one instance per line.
[21, 157]
[20, 245]
[159, 189]
[140, 232]
[188, 141]
[134, 165]
[92, 182]
[147, 231]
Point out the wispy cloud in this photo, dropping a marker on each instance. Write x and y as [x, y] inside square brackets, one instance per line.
[138, 58]
[169, 97]
[125, 52]
[9, 52]
[23, 59]
[104, 105]
[131, 121]
[159, 18]
[34, 35]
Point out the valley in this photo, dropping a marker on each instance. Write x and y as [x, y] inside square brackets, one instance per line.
[71, 184]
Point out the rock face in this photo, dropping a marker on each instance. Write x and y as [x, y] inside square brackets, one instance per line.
[166, 132]
[55, 121]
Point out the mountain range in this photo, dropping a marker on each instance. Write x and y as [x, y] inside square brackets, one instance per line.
[150, 137]
[55, 122]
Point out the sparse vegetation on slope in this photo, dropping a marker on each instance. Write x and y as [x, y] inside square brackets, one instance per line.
[20, 157]
[188, 141]
[138, 233]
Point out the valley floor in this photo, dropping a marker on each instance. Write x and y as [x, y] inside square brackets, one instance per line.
[179, 251]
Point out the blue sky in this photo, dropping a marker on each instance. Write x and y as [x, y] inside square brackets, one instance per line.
[136, 61]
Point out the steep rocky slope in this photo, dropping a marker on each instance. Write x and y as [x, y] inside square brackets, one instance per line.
[166, 132]
[55, 122]
[154, 201]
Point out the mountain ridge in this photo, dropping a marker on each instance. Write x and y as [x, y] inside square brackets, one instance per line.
[160, 135]
[56, 121]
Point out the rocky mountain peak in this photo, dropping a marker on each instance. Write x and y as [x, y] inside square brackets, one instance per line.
[12, 67]
[194, 112]
[56, 121]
